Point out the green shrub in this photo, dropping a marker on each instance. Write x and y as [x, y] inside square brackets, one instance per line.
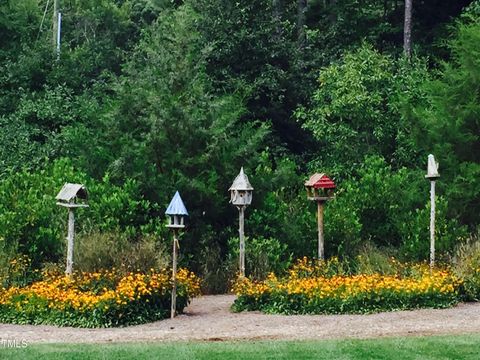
[415, 232]
[32, 224]
[99, 251]
[390, 209]
[466, 265]
[262, 256]
[372, 260]
[217, 272]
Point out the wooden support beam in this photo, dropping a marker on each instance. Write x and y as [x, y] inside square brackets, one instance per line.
[321, 240]
[70, 239]
[241, 222]
[173, 309]
[432, 224]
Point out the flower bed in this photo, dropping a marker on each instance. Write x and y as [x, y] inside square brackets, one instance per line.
[102, 299]
[310, 290]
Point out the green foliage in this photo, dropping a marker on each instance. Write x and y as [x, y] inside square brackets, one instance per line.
[449, 126]
[263, 256]
[16, 271]
[32, 224]
[466, 265]
[218, 272]
[256, 53]
[372, 260]
[97, 251]
[279, 208]
[153, 96]
[388, 208]
[415, 232]
[356, 110]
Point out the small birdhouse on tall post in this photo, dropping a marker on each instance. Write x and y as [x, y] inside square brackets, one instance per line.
[320, 189]
[176, 212]
[71, 196]
[432, 175]
[241, 193]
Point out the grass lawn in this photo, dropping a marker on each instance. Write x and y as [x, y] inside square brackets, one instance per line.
[433, 347]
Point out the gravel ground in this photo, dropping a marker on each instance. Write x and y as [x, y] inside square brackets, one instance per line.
[209, 318]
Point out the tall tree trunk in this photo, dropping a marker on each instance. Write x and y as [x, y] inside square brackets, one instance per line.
[407, 29]
[56, 6]
[301, 21]
[333, 11]
[277, 17]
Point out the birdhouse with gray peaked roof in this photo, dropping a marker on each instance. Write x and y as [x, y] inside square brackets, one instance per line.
[319, 187]
[176, 212]
[241, 191]
[72, 196]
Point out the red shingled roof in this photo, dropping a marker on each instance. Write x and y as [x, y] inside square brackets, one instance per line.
[320, 181]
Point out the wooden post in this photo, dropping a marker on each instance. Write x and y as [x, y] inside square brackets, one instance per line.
[174, 275]
[70, 236]
[241, 210]
[432, 224]
[321, 255]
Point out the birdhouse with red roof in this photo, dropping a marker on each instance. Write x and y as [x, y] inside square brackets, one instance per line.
[319, 187]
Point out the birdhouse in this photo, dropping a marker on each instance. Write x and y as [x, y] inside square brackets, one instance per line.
[72, 196]
[319, 187]
[241, 191]
[432, 169]
[176, 212]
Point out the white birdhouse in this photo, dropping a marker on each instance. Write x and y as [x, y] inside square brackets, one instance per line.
[432, 169]
[241, 191]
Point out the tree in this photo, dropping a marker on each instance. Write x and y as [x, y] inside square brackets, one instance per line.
[407, 31]
[301, 22]
[167, 129]
[357, 110]
[449, 126]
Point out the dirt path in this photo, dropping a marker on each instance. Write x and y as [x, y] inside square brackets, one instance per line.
[209, 319]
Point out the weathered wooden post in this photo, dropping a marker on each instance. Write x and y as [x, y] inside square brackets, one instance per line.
[241, 196]
[176, 212]
[432, 175]
[320, 189]
[67, 198]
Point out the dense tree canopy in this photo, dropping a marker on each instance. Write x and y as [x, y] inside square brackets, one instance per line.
[160, 95]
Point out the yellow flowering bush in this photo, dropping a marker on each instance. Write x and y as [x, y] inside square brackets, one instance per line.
[100, 299]
[315, 288]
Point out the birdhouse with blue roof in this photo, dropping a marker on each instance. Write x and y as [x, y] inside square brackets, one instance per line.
[176, 212]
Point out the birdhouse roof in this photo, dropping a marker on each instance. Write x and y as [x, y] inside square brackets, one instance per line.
[71, 191]
[320, 181]
[241, 182]
[176, 206]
